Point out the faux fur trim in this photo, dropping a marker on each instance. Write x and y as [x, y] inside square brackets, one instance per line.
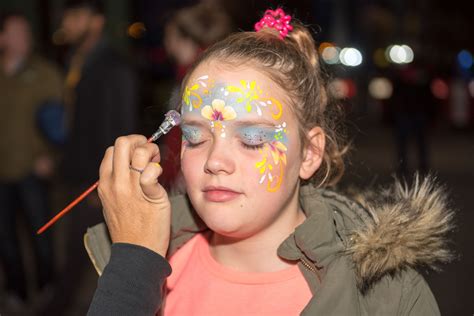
[409, 231]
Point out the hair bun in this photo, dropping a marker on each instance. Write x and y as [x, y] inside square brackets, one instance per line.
[304, 41]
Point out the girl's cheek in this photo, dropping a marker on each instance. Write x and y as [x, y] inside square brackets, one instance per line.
[188, 164]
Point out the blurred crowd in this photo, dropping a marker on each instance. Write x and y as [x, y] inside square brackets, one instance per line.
[56, 123]
[56, 120]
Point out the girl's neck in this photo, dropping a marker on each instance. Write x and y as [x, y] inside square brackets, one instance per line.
[258, 253]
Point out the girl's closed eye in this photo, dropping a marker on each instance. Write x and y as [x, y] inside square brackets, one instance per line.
[253, 147]
[254, 138]
[192, 136]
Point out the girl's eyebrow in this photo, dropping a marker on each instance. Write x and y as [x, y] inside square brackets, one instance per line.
[196, 123]
[257, 123]
[238, 123]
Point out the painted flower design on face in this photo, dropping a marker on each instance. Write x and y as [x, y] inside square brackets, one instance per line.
[218, 112]
[252, 96]
[249, 92]
[191, 98]
[277, 151]
[219, 103]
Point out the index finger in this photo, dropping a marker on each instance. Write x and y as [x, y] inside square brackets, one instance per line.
[124, 147]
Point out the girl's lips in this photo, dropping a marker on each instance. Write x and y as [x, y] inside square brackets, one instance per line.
[219, 194]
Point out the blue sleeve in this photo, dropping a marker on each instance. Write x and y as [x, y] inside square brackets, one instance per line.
[131, 283]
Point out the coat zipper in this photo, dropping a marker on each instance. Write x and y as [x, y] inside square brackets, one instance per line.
[311, 267]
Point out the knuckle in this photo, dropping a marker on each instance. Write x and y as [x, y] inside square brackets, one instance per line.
[141, 138]
[103, 169]
[109, 150]
[121, 141]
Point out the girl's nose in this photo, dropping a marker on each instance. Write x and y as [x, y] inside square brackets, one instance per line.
[220, 160]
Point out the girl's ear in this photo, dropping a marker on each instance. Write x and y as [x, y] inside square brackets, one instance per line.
[313, 153]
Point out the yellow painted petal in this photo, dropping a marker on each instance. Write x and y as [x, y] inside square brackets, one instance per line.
[195, 87]
[229, 113]
[218, 105]
[276, 156]
[280, 147]
[233, 89]
[261, 163]
[207, 112]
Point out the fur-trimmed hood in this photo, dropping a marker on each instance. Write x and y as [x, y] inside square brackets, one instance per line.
[409, 230]
[382, 232]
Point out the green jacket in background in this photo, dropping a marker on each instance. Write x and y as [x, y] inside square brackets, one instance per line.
[37, 81]
[359, 258]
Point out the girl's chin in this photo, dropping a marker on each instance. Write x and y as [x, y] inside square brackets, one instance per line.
[229, 230]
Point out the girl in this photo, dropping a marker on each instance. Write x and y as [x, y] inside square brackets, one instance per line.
[259, 236]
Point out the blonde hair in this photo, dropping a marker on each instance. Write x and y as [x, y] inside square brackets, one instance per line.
[293, 64]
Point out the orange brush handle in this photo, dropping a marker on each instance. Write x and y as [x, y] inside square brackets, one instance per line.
[68, 208]
[74, 203]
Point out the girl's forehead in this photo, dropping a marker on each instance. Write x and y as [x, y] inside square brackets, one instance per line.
[225, 93]
[227, 74]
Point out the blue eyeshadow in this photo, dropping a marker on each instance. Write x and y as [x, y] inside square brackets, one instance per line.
[255, 135]
[191, 133]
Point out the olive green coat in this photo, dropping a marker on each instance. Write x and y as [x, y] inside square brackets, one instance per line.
[359, 258]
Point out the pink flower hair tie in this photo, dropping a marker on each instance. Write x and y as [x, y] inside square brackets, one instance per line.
[276, 19]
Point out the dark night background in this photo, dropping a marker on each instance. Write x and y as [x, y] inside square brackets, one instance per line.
[440, 34]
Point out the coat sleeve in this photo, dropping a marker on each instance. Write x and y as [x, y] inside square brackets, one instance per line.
[417, 298]
[131, 283]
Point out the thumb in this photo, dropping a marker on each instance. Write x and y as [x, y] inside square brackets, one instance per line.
[152, 190]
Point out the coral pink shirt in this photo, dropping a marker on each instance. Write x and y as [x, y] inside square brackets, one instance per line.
[201, 286]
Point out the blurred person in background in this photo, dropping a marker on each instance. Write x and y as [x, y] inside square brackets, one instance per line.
[188, 32]
[413, 109]
[101, 104]
[27, 81]
[191, 30]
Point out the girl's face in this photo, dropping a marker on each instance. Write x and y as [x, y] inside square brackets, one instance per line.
[241, 152]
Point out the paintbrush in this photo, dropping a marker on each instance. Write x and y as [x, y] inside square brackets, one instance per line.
[172, 119]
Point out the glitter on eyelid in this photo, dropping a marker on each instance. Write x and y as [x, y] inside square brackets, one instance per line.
[254, 136]
[191, 134]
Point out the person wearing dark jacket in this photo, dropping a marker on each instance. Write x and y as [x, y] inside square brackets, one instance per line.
[27, 82]
[101, 104]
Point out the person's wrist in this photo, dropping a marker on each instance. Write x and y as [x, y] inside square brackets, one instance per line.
[159, 246]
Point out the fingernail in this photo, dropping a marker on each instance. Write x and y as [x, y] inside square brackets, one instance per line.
[157, 164]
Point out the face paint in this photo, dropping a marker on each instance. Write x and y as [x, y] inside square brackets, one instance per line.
[253, 135]
[191, 134]
[223, 103]
[271, 167]
[217, 113]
